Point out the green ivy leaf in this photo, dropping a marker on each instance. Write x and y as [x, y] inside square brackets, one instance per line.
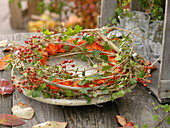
[82, 82]
[105, 91]
[87, 98]
[28, 92]
[120, 93]
[70, 32]
[39, 72]
[145, 126]
[69, 93]
[66, 47]
[52, 77]
[106, 46]
[47, 32]
[82, 57]
[118, 57]
[68, 76]
[43, 85]
[141, 74]
[85, 50]
[104, 57]
[168, 120]
[36, 93]
[84, 90]
[133, 81]
[106, 67]
[77, 28]
[155, 117]
[65, 38]
[89, 39]
[96, 53]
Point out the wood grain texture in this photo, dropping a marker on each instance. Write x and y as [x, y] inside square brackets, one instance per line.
[108, 8]
[101, 116]
[6, 100]
[164, 73]
[137, 107]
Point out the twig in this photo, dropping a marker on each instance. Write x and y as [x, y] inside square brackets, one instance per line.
[113, 27]
[156, 60]
[162, 120]
[109, 42]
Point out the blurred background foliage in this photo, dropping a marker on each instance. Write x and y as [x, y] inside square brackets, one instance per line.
[52, 13]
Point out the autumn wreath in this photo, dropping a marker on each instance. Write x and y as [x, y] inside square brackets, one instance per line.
[74, 63]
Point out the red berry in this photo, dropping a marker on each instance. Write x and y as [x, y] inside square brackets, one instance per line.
[39, 30]
[20, 90]
[144, 85]
[34, 36]
[149, 81]
[150, 75]
[142, 61]
[64, 66]
[26, 41]
[149, 63]
[73, 65]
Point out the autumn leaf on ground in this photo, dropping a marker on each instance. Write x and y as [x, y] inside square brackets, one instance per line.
[6, 87]
[3, 63]
[121, 120]
[3, 43]
[23, 111]
[10, 120]
[51, 124]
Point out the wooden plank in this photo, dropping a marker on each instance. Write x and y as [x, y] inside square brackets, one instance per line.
[16, 15]
[137, 107]
[5, 101]
[101, 116]
[43, 112]
[108, 8]
[165, 65]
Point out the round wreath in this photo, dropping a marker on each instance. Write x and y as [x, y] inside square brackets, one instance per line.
[108, 65]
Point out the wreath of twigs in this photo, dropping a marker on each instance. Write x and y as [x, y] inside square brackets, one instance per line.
[115, 67]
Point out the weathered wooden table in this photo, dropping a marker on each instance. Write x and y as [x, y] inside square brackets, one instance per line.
[136, 107]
